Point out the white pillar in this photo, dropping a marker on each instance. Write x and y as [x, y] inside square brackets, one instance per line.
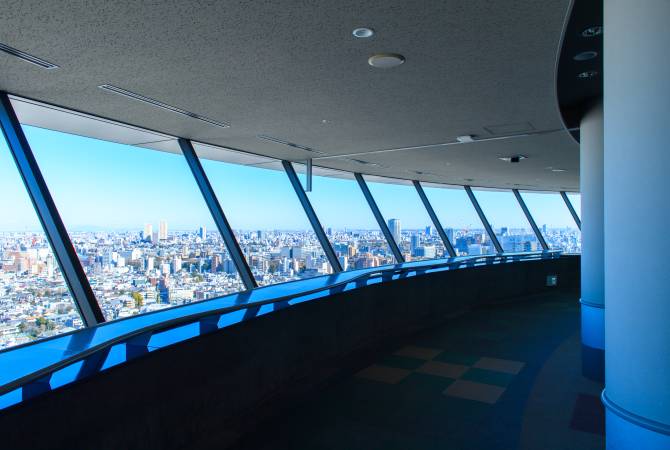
[637, 223]
[593, 253]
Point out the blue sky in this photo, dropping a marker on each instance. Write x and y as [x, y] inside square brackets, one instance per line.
[100, 185]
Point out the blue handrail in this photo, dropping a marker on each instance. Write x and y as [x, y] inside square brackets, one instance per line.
[33, 369]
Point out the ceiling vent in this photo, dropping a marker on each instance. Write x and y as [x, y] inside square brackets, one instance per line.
[151, 101]
[27, 57]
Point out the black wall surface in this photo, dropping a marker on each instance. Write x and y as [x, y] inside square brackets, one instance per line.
[211, 388]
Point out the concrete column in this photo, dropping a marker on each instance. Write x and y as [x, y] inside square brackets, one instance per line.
[637, 223]
[593, 254]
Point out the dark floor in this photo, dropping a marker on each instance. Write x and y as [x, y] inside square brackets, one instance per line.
[503, 377]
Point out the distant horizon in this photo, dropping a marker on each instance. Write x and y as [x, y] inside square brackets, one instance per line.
[215, 230]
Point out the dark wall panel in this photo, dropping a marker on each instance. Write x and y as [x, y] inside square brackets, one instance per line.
[209, 388]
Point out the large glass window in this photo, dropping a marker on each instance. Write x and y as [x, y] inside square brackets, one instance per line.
[273, 230]
[459, 219]
[554, 220]
[137, 221]
[507, 220]
[407, 219]
[576, 201]
[34, 300]
[347, 219]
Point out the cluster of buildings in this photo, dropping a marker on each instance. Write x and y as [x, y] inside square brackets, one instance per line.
[135, 272]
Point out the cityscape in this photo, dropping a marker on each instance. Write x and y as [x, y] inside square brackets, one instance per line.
[138, 271]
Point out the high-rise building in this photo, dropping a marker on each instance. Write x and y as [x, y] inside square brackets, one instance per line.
[216, 262]
[176, 264]
[149, 263]
[426, 251]
[395, 228]
[415, 241]
[229, 266]
[162, 230]
[202, 233]
[450, 234]
[344, 262]
[148, 232]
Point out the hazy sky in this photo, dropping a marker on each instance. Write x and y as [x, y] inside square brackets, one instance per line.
[103, 185]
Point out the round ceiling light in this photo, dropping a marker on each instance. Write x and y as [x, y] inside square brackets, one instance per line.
[386, 60]
[588, 74]
[362, 33]
[585, 56]
[592, 31]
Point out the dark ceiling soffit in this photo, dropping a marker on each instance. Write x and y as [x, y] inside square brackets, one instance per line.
[576, 92]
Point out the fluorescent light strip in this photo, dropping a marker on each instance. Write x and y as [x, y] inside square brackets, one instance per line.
[445, 144]
[151, 101]
[289, 144]
[27, 57]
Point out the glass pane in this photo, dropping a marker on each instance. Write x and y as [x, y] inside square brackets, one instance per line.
[274, 232]
[508, 221]
[554, 220]
[34, 300]
[348, 221]
[408, 220]
[576, 201]
[459, 219]
[138, 223]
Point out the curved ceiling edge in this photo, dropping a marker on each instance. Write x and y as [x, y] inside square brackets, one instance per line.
[579, 72]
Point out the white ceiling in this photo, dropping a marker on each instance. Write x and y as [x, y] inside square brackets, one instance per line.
[293, 71]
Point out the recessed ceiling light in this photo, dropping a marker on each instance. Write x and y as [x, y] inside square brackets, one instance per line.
[386, 60]
[585, 56]
[592, 31]
[465, 139]
[151, 101]
[558, 170]
[362, 33]
[27, 57]
[588, 74]
[513, 159]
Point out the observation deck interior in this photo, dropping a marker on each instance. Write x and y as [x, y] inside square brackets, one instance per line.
[335, 224]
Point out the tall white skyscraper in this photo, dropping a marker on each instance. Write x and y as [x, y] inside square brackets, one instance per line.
[162, 230]
[148, 232]
[394, 227]
[344, 262]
